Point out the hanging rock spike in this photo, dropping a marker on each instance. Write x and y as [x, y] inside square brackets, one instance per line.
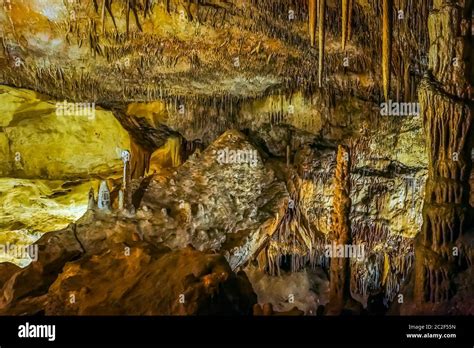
[321, 34]
[386, 45]
[313, 9]
[344, 5]
[349, 19]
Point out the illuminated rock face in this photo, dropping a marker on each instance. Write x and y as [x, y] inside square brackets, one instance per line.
[47, 159]
[38, 142]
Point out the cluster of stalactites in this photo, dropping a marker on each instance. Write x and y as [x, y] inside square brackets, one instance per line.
[388, 259]
[317, 9]
[347, 6]
[316, 17]
[292, 238]
[131, 7]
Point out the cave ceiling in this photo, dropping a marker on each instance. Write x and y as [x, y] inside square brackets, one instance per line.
[117, 51]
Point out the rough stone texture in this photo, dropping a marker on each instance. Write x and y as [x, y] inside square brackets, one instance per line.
[180, 73]
[305, 290]
[387, 185]
[230, 207]
[7, 270]
[136, 278]
[185, 48]
[150, 281]
[54, 250]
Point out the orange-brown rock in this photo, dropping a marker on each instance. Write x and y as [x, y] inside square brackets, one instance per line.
[150, 280]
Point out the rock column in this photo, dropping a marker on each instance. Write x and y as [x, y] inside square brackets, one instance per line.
[446, 104]
[339, 290]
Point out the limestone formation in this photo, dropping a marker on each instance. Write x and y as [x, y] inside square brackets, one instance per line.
[103, 198]
[387, 46]
[341, 229]
[312, 12]
[91, 205]
[126, 192]
[446, 98]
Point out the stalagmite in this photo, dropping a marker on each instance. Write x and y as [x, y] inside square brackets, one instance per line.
[406, 82]
[386, 46]
[321, 36]
[91, 205]
[339, 269]
[121, 204]
[103, 200]
[312, 21]
[126, 190]
[446, 103]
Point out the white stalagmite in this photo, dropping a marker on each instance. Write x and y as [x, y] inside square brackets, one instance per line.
[103, 201]
[120, 201]
[91, 204]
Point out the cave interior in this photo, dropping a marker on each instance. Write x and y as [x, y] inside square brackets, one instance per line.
[251, 157]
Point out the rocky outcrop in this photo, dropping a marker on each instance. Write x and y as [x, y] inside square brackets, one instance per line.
[136, 278]
[224, 198]
[24, 288]
[141, 279]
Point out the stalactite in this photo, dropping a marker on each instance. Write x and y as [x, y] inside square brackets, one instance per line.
[127, 16]
[349, 19]
[406, 82]
[387, 263]
[293, 237]
[321, 40]
[386, 46]
[344, 29]
[312, 21]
